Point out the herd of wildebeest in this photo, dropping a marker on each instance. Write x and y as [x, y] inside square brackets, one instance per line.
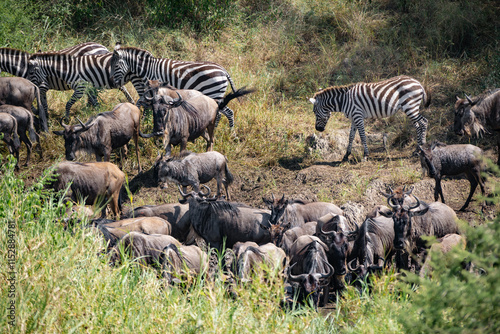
[316, 248]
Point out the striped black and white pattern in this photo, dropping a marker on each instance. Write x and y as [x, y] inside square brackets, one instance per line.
[77, 72]
[372, 100]
[15, 62]
[209, 78]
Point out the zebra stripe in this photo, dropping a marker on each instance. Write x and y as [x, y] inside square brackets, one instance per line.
[209, 78]
[372, 100]
[76, 71]
[15, 62]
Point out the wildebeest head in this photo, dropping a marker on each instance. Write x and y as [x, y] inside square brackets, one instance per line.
[71, 135]
[277, 207]
[276, 231]
[465, 119]
[402, 212]
[338, 246]
[310, 284]
[197, 196]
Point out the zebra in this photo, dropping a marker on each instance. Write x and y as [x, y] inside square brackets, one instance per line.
[15, 62]
[209, 78]
[76, 72]
[372, 100]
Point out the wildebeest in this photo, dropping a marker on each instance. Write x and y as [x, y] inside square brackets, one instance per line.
[107, 131]
[21, 92]
[194, 169]
[309, 268]
[253, 255]
[380, 240]
[440, 160]
[146, 248]
[185, 118]
[284, 238]
[24, 120]
[174, 213]
[297, 213]
[413, 221]
[91, 181]
[114, 231]
[476, 116]
[8, 127]
[181, 261]
[444, 245]
[215, 221]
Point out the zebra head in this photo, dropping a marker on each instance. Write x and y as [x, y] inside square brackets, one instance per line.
[119, 66]
[35, 73]
[322, 109]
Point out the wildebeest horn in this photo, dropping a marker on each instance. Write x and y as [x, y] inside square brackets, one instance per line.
[408, 192]
[327, 232]
[204, 194]
[145, 95]
[416, 205]
[469, 99]
[330, 272]
[62, 122]
[349, 265]
[389, 202]
[272, 197]
[183, 194]
[294, 278]
[176, 102]
[83, 125]
[355, 232]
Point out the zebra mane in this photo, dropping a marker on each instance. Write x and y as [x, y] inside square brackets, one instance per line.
[133, 48]
[333, 88]
[15, 50]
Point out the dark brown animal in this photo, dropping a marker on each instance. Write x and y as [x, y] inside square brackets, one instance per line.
[475, 116]
[443, 245]
[92, 182]
[144, 248]
[182, 262]
[22, 92]
[216, 221]
[107, 131]
[8, 127]
[440, 160]
[309, 268]
[194, 169]
[174, 213]
[297, 213]
[114, 231]
[185, 118]
[414, 220]
[24, 120]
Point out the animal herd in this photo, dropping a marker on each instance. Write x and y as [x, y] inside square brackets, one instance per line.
[314, 245]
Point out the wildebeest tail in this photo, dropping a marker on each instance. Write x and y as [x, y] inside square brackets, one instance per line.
[240, 92]
[31, 129]
[108, 236]
[229, 175]
[427, 97]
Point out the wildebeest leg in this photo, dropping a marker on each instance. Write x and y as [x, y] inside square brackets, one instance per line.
[326, 295]
[498, 148]
[473, 186]
[210, 143]
[438, 190]
[219, 184]
[136, 143]
[29, 145]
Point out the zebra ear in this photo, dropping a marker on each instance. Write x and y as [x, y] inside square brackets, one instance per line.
[313, 101]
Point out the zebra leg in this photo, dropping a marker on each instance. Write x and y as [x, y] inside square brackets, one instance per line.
[421, 127]
[92, 99]
[217, 118]
[79, 89]
[360, 124]
[351, 139]
[229, 115]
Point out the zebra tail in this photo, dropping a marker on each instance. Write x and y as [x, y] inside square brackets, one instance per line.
[240, 92]
[231, 82]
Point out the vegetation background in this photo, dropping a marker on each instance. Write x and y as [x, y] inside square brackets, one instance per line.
[286, 49]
